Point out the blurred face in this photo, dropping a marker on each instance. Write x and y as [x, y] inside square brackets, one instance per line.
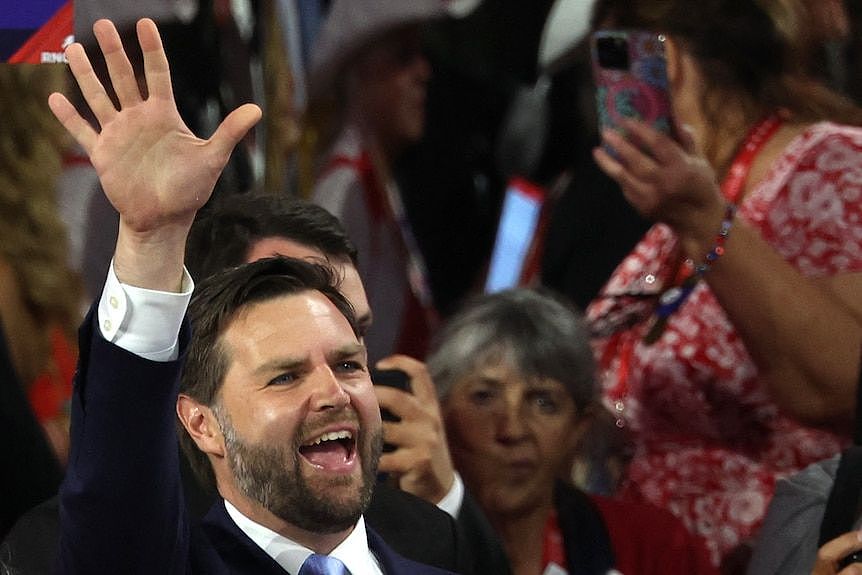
[351, 285]
[510, 437]
[300, 421]
[393, 75]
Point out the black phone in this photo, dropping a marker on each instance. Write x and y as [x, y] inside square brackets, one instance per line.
[392, 378]
[855, 557]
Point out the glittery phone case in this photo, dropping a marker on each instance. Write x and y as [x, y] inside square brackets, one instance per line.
[629, 69]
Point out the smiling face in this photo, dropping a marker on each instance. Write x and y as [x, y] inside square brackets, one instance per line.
[300, 422]
[510, 437]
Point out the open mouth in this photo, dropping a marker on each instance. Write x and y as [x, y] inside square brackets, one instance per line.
[333, 450]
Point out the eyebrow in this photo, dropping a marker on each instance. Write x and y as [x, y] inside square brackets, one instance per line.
[294, 363]
[486, 380]
[281, 364]
[364, 322]
[345, 351]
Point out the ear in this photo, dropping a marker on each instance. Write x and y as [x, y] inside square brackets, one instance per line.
[201, 425]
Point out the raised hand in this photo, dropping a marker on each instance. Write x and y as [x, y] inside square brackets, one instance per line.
[421, 462]
[664, 180]
[154, 170]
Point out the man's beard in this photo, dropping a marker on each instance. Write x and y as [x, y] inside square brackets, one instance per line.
[272, 476]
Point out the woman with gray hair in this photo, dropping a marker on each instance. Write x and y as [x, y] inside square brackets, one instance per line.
[515, 376]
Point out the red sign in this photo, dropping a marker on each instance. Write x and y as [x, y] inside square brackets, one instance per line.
[36, 31]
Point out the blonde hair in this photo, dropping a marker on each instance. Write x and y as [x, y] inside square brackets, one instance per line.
[33, 239]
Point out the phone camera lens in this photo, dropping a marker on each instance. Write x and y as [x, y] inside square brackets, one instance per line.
[613, 52]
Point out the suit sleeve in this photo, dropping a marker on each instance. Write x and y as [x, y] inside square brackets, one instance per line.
[121, 508]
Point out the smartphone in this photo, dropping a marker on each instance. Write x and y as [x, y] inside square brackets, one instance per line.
[392, 378]
[516, 237]
[855, 557]
[630, 72]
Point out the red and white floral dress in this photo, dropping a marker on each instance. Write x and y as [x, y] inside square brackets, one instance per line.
[710, 442]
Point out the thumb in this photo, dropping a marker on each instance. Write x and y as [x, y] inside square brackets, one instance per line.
[234, 128]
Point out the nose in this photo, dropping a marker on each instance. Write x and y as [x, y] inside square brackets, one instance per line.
[511, 427]
[326, 391]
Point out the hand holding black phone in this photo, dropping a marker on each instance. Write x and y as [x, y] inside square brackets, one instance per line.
[391, 378]
[398, 379]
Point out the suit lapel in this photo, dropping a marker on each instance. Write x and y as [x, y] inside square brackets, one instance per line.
[241, 555]
[238, 552]
[394, 564]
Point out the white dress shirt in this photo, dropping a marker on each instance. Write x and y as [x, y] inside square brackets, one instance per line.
[353, 551]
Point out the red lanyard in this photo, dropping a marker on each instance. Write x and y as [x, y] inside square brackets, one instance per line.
[734, 181]
[623, 344]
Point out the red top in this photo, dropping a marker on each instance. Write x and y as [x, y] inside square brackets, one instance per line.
[647, 540]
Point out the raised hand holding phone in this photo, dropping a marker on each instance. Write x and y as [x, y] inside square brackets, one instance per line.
[630, 73]
[420, 463]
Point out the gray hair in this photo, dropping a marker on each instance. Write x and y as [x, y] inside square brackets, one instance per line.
[532, 331]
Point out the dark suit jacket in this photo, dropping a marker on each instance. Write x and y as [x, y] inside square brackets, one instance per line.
[411, 526]
[121, 503]
[415, 528]
[585, 536]
[486, 551]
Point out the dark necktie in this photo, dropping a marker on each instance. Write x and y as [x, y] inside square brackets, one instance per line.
[322, 565]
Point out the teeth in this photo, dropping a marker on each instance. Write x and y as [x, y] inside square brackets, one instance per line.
[332, 436]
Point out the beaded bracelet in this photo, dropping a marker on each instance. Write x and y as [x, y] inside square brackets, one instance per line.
[720, 239]
[672, 298]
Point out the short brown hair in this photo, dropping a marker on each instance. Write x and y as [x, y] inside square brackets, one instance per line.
[216, 302]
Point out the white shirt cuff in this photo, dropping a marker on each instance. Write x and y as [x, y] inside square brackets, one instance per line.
[143, 321]
[451, 503]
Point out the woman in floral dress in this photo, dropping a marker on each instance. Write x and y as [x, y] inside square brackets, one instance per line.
[729, 338]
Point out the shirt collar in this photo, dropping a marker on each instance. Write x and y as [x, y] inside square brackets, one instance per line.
[353, 551]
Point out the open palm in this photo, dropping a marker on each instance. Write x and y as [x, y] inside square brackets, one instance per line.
[153, 169]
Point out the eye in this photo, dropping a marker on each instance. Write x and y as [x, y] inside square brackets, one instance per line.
[545, 402]
[284, 379]
[348, 367]
[482, 396]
